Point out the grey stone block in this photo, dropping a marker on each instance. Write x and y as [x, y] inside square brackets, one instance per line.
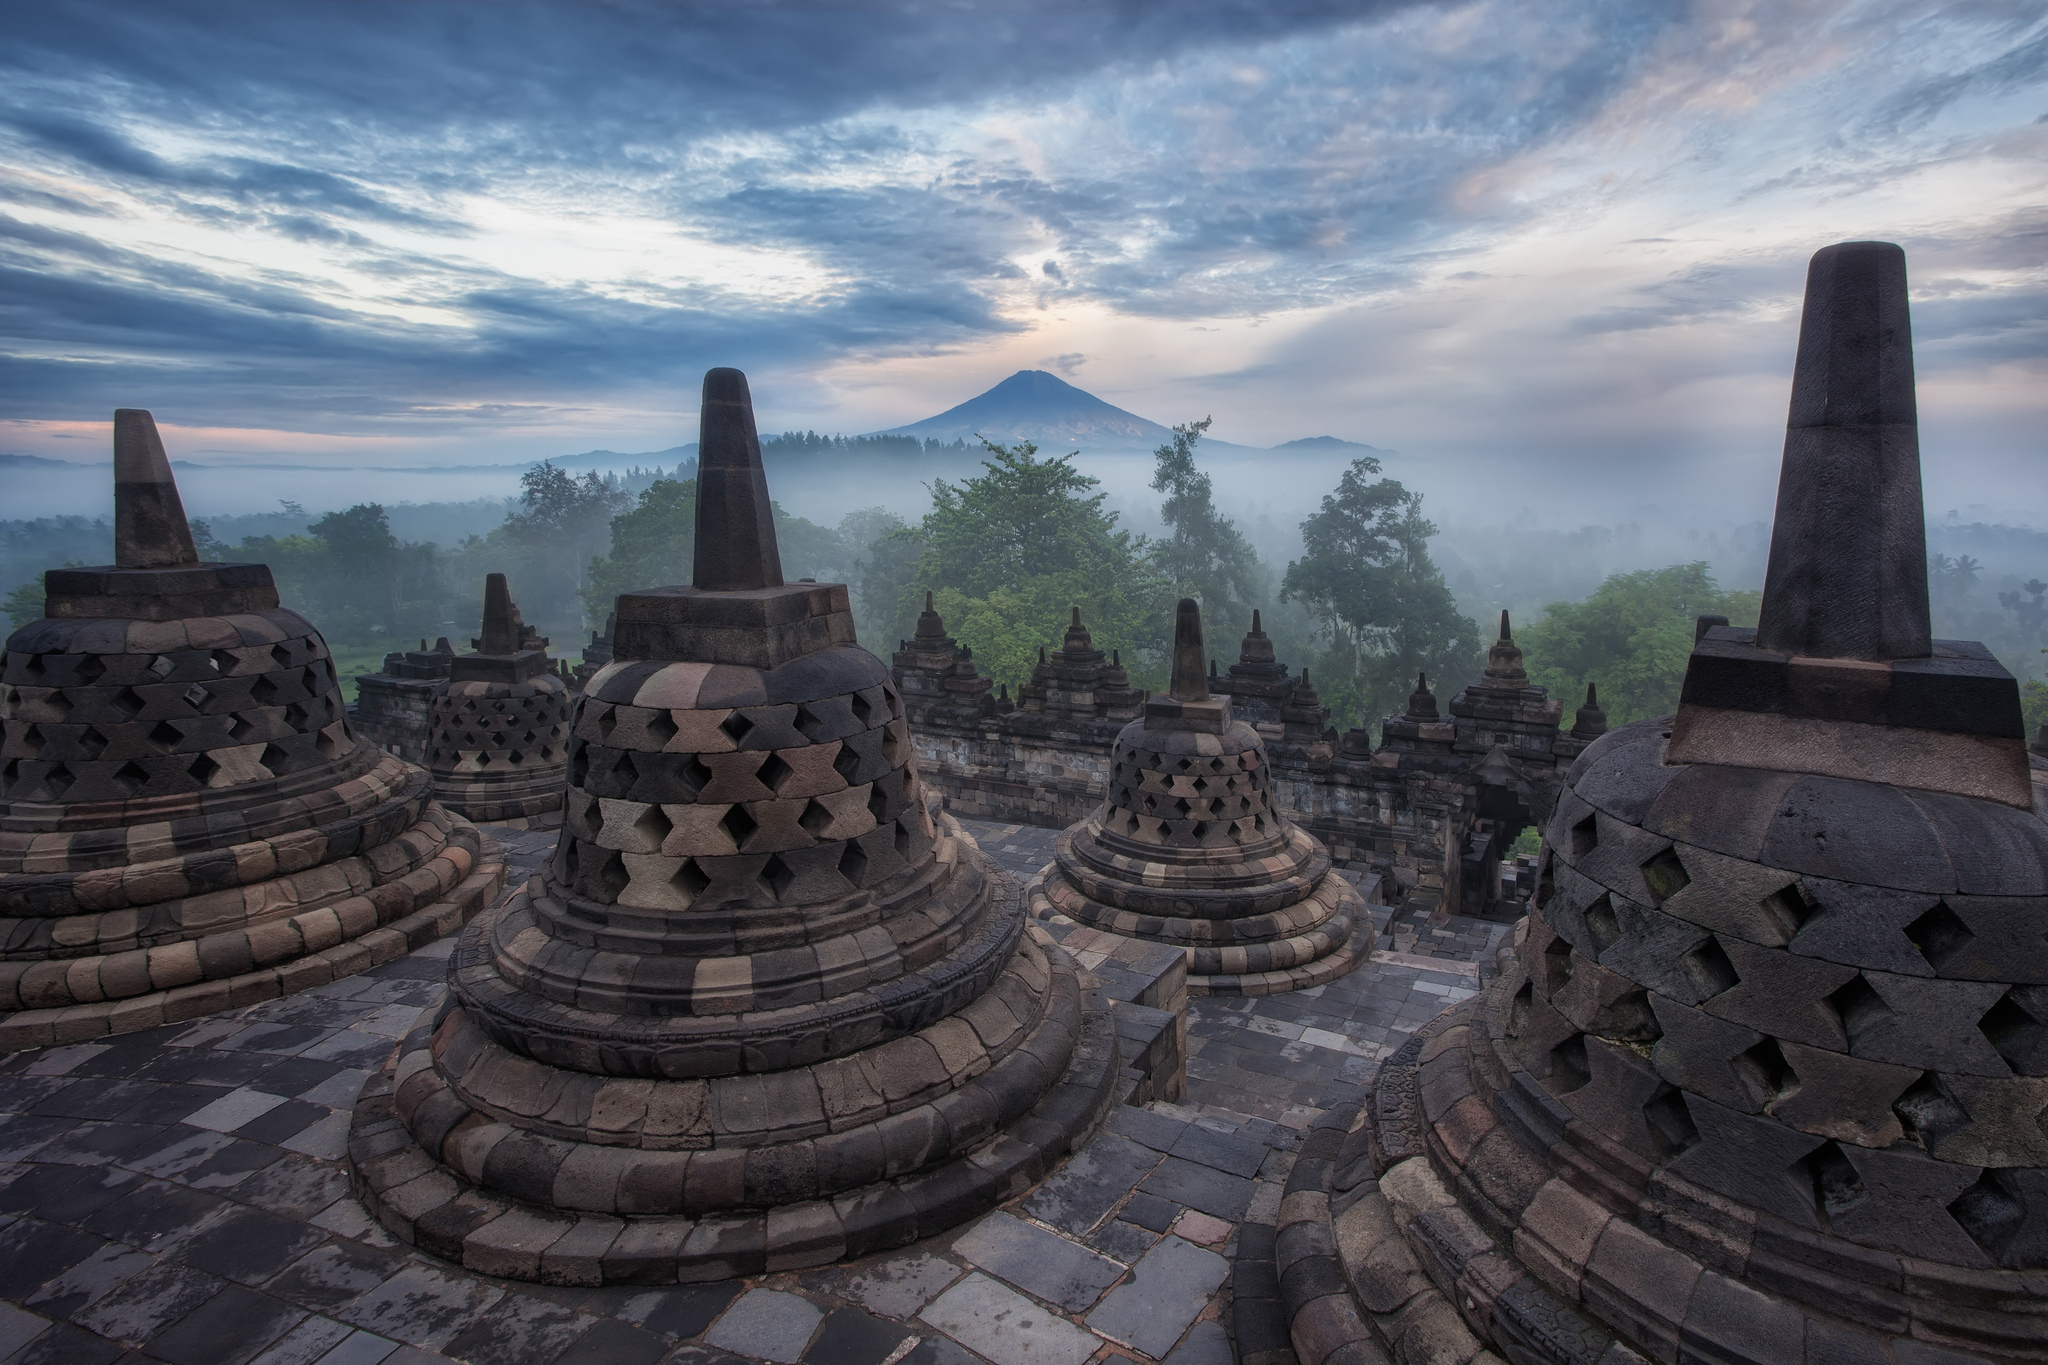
[1661, 951]
[1200, 1187]
[1903, 1206]
[1864, 926]
[1083, 1190]
[1857, 832]
[1169, 1287]
[1700, 1053]
[1752, 1160]
[1037, 1261]
[1844, 1097]
[1936, 1025]
[768, 1325]
[1617, 1102]
[1994, 849]
[1732, 897]
[1781, 994]
[1725, 810]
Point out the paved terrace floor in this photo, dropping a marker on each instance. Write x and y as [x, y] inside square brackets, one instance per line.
[179, 1196]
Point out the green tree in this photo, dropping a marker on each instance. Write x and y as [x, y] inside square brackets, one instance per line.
[1011, 551]
[2029, 606]
[1632, 637]
[25, 603]
[546, 544]
[2034, 707]
[879, 562]
[654, 543]
[1950, 582]
[359, 571]
[1203, 554]
[1367, 576]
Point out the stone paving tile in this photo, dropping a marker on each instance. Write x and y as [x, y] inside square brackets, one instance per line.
[160, 1184]
[1038, 1261]
[997, 1322]
[1167, 1291]
[767, 1324]
[899, 1287]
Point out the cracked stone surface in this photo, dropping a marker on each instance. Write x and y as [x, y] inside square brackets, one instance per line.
[178, 1195]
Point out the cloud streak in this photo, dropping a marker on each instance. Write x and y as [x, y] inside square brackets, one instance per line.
[1421, 225]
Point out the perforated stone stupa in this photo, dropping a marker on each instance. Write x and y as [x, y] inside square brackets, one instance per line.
[499, 746]
[186, 821]
[1765, 1075]
[768, 1006]
[1190, 849]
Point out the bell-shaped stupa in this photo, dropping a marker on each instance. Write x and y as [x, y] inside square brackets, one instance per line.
[499, 743]
[1765, 1074]
[186, 821]
[1189, 848]
[768, 1006]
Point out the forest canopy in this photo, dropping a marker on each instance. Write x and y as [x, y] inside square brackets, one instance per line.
[1631, 638]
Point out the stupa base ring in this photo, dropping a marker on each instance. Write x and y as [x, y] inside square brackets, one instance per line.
[440, 1210]
[1335, 936]
[458, 883]
[1432, 1223]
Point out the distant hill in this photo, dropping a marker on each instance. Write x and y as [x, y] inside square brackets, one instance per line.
[38, 462]
[1032, 405]
[1331, 445]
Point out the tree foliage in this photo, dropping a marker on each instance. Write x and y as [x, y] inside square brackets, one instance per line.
[1203, 553]
[24, 603]
[1010, 552]
[1632, 638]
[654, 543]
[1366, 574]
[547, 542]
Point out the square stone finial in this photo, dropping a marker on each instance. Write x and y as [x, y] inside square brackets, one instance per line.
[738, 610]
[736, 550]
[150, 530]
[1842, 676]
[1848, 564]
[1187, 704]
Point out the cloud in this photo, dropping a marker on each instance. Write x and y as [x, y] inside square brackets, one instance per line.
[1470, 226]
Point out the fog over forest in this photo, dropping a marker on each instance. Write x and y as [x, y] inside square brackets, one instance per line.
[843, 502]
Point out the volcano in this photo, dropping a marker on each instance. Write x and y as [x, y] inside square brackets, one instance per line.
[1033, 405]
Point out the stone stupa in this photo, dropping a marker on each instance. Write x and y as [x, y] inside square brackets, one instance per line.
[498, 745]
[1189, 849]
[186, 821]
[768, 1006]
[1764, 1077]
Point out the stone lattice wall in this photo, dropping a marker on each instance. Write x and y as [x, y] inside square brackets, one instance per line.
[1029, 769]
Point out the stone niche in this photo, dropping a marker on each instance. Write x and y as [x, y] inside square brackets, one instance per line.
[768, 1005]
[187, 822]
[1762, 1077]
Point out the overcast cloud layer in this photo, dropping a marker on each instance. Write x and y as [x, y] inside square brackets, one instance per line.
[1554, 251]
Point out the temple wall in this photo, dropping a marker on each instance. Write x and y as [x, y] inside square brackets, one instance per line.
[998, 770]
[1032, 769]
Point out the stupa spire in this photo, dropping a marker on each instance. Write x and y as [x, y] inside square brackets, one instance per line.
[1848, 568]
[150, 530]
[736, 549]
[1189, 683]
[500, 635]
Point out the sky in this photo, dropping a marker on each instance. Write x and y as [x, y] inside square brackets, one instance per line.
[1550, 252]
